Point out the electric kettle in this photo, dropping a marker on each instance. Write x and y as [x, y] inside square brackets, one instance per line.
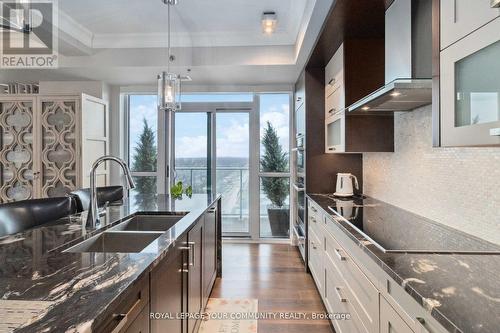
[344, 185]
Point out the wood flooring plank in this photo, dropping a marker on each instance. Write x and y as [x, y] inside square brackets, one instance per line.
[275, 275]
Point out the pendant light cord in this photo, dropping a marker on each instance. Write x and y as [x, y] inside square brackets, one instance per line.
[168, 37]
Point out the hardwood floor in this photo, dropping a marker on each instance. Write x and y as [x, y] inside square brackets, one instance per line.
[273, 274]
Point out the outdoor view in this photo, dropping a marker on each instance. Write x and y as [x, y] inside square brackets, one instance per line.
[232, 158]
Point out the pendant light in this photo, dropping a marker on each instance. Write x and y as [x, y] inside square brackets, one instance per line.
[169, 84]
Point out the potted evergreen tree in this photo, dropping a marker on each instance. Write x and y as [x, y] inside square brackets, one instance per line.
[277, 189]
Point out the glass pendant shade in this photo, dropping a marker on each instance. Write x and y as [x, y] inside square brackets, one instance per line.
[169, 88]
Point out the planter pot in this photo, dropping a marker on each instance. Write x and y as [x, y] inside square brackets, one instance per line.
[279, 219]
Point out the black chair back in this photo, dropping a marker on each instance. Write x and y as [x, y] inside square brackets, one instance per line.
[22, 215]
[104, 194]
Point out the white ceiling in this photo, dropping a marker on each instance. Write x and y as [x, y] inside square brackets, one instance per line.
[218, 20]
[123, 42]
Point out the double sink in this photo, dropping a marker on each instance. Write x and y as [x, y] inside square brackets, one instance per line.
[130, 236]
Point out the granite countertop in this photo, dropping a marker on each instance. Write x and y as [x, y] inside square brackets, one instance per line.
[461, 291]
[79, 287]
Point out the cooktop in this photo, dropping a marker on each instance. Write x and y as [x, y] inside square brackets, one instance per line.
[392, 229]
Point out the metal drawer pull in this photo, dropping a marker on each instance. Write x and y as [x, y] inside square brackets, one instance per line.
[191, 253]
[313, 219]
[313, 245]
[341, 299]
[422, 324]
[331, 81]
[339, 255]
[495, 131]
[331, 148]
[123, 317]
[331, 110]
[314, 209]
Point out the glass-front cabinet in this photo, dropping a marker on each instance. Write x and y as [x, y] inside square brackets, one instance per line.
[470, 89]
[335, 133]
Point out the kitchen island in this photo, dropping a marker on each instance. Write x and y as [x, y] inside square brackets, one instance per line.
[48, 289]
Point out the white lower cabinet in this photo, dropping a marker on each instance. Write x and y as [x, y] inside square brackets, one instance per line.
[348, 286]
[390, 320]
[316, 260]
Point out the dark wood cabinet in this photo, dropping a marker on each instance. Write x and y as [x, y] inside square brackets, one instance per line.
[195, 265]
[209, 252]
[181, 283]
[167, 285]
[129, 314]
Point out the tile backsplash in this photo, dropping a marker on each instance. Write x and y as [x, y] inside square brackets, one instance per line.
[459, 187]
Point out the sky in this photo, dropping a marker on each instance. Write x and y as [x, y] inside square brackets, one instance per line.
[232, 128]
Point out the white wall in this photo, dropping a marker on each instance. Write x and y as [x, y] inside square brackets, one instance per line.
[459, 187]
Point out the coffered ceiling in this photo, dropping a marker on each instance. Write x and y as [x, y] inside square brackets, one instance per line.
[218, 42]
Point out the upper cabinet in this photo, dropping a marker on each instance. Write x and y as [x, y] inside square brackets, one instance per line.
[460, 18]
[356, 69]
[469, 74]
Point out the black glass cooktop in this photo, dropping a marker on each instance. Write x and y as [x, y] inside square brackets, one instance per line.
[393, 229]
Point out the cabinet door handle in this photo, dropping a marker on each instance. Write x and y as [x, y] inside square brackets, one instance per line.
[314, 209]
[331, 110]
[339, 255]
[332, 148]
[495, 131]
[191, 253]
[421, 322]
[331, 81]
[212, 210]
[339, 295]
[124, 317]
[313, 219]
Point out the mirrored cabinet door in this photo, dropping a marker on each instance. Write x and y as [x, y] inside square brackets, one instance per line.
[470, 89]
[16, 149]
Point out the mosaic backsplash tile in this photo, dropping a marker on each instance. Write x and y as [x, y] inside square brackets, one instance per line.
[459, 187]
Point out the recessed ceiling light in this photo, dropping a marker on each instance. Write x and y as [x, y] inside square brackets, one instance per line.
[365, 108]
[269, 21]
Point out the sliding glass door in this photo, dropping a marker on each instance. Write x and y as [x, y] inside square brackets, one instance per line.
[212, 151]
[232, 170]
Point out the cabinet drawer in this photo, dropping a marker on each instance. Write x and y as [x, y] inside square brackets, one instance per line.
[462, 17]
[126, 312]
[363, 295]
[333, 103]
[316, 260]
[315, 218]
[141, 323]
[390, 321]
[333, 83]
[336, 301]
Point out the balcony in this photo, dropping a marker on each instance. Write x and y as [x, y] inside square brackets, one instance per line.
[233, 184]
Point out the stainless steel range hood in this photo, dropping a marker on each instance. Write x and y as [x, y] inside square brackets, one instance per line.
[408, 60]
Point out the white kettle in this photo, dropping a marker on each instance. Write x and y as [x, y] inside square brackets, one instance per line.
[344, 185]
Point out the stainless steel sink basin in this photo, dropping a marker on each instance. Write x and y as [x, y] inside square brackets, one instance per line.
[118, 242]
[149, 222]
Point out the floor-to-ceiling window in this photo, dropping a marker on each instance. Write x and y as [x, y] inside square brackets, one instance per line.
[234, 144]
[142, 148]
[274, 165]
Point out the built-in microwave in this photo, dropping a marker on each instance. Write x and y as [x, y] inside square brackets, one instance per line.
[300, 155]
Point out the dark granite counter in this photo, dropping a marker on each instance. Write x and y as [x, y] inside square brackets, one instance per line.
[77, 288]
[461, 291]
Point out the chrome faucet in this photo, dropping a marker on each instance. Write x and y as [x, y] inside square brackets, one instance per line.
[93, 213]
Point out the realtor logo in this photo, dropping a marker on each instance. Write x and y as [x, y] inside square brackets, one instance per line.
[28, 37]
